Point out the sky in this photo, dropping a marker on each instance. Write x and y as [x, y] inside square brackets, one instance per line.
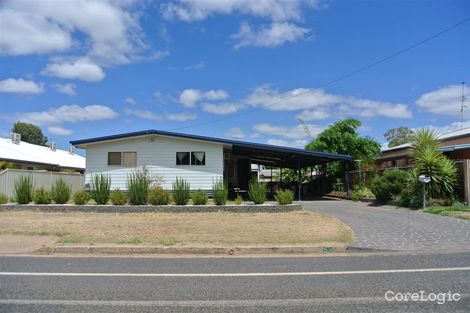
[263, 71]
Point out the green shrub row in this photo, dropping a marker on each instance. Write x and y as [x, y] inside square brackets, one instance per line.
[24, 192]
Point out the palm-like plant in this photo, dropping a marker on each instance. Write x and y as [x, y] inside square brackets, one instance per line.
[428, 160]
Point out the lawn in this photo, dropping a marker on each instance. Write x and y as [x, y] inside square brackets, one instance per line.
[190, 229]
[460, 211]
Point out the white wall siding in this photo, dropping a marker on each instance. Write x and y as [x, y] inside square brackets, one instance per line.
[159, 158]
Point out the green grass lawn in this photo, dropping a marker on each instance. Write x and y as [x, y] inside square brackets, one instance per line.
[460, 211]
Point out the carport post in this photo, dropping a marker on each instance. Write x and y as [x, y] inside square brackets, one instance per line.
[346, 177]
[299, 182]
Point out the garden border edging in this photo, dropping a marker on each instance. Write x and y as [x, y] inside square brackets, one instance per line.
[249, 208]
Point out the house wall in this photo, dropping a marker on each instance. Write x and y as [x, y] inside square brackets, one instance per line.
[158, 155]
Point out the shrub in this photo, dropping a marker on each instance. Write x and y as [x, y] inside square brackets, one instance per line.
[3, 198]
[158, 196]
[199, 197]
[118, 197]
[238, 200]
[284, 197]
[338, 185]
[256, 191]
[220, 191]
[100, 188]
[389, 185]
[362, 193]
[428, 160]
[138, 187]
[81, 197]
[181, 192]
[60, 192]
[23, 192]
[41, 196]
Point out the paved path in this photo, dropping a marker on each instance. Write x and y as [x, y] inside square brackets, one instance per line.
[389, 228]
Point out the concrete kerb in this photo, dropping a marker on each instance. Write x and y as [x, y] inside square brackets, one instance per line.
[241, 250]
[246, 208]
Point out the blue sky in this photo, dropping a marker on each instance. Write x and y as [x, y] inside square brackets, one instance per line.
[243, 69]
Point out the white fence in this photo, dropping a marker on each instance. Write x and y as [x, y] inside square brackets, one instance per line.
[43, 179]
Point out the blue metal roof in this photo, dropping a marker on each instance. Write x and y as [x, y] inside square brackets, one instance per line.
[234, 143]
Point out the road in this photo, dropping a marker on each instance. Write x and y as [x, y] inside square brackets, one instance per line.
[353, 283]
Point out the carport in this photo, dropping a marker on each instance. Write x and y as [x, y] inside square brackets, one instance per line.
[246, 153]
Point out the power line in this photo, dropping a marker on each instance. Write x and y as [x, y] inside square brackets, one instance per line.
[333, 81]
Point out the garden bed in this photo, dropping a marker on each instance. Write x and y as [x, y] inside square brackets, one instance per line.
[267, 207]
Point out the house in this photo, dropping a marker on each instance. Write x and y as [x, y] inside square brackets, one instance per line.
[21, 155]
[454, 144]
[198, 159]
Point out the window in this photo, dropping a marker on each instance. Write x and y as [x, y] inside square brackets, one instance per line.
[122, 158]
[191, 158]
[182, 158]
[114, 158]
[129, 158]
[198, 158]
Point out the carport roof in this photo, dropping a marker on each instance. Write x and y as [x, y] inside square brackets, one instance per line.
[259, 153]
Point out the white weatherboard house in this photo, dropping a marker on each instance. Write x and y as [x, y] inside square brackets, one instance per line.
[198, 159]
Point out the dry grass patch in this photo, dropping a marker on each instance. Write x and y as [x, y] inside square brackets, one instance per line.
[219, 228]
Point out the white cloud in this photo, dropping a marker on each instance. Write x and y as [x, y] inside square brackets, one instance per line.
[293, 100]
[160, 54]
[145, 115]
[112, 33]
[67, 113]
[281, 13]
[130, 101]
[21, 86]
[290, 132]
[276, 10]
[235, 132]
[181, 117]
[270, 36]
[312, 115]
[83, 69]
[300, 143]
[27, 33]
[445, 101]
[189, 97]
[198, 66]
[221, 109]
[308, 99]
[59, 131]
[68, 89]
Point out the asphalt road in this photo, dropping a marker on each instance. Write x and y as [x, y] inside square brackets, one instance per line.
[355, 283]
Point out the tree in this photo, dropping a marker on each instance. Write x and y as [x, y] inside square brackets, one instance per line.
[398, 136]
[342, 137]
[30, 133]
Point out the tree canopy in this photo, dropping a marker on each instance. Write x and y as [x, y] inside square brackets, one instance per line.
[342, 137]
[30, 133]
[398, 136]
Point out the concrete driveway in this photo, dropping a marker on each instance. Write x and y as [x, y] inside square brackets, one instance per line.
[389, 228]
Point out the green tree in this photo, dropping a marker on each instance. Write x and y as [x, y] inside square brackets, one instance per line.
[342, 137]
[398, 136]
[30, 133]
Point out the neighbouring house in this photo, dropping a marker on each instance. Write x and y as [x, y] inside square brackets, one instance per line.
[45, 165]
[17, 154]
[454, 144]
[200, 160]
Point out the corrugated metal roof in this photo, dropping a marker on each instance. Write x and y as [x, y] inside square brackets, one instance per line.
[234, 143]
[29, 153]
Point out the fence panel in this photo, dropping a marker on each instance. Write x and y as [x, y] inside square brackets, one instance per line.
[40, 179]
